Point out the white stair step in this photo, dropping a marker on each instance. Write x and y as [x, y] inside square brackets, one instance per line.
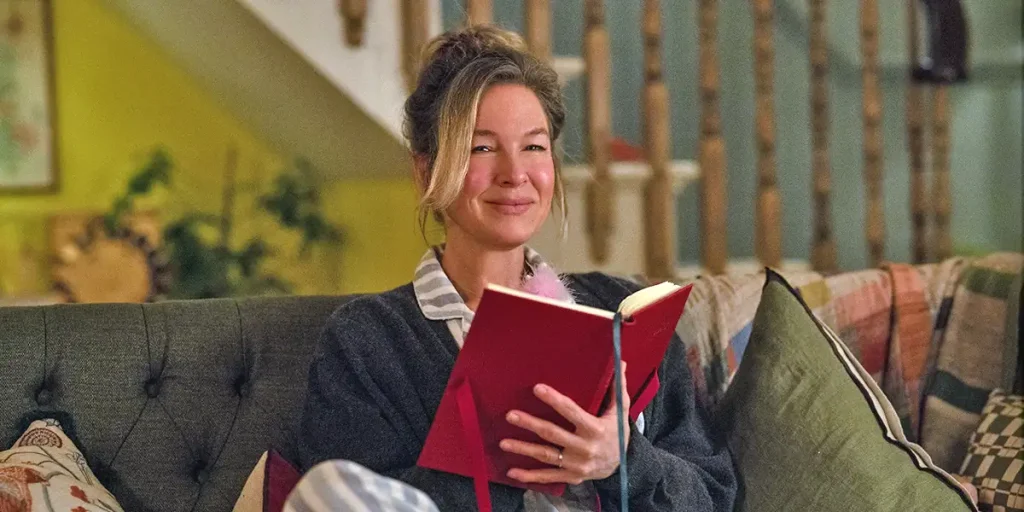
[568, 68]
[741, 266]
[571, 253]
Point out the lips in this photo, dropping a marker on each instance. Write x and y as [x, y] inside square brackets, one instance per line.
[511, 206]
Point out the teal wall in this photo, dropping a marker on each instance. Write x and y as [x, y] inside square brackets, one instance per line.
[986, 113]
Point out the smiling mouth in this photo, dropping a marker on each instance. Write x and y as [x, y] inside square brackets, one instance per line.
[515, 207]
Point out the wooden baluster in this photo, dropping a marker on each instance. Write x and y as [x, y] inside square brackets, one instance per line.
[767, 233]
[941, 200]
[600, 193]
[712, 145]
[823, 249]
[414, 36]
[538, 28]
[915, 145]
[353, 15]
[479, 12]
[659, 250]
[872, 112]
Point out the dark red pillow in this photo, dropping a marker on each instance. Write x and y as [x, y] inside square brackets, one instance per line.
[279, 478]
[268, 484]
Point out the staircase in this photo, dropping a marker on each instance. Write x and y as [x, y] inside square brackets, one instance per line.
[290, 78]
[284, 68]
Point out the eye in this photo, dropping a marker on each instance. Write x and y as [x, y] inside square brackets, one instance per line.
[536, 147]
[481, 149]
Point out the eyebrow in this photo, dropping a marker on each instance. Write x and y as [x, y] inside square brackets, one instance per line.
[490, 133]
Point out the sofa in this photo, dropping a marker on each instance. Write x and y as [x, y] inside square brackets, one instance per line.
[173, 403]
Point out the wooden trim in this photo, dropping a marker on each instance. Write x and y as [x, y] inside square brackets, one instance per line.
[353, 16]
[711, 151]
[872, 114]
[538, 28]
[414, 37]
[600, 194]
[479, 12]
[941, 194]
[823, 246]
[659, 249]
[767, 232]
[915, 145]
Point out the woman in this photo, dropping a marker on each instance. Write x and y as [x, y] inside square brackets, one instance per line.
[481, 124]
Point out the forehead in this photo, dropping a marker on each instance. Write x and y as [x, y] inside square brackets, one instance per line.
[509, 107]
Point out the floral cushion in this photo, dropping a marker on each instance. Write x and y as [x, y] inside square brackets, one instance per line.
[44, 471]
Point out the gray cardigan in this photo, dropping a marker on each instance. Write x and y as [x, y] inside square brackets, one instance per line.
[380, 371]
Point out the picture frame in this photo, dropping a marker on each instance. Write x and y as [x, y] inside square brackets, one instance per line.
[28, 139]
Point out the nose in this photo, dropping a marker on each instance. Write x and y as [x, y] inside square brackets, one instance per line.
[511, 171]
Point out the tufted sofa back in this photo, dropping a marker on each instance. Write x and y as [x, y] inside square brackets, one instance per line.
[173, 402]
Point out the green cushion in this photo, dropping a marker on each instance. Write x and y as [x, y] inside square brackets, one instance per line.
[810, 430]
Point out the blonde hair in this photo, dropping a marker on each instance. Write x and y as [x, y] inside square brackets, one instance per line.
[440, 114]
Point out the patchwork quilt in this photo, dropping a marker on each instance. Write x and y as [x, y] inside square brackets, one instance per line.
[937, 338]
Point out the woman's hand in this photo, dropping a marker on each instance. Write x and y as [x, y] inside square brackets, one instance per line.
[589, 453]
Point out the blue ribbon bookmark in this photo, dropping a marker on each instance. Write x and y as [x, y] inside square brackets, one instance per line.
[623, 473]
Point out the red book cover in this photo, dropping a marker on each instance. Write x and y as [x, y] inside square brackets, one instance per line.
[517, 341]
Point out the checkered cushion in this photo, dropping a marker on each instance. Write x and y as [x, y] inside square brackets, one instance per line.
[996, 455]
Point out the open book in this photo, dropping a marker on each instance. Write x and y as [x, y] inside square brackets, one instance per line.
[518, 340]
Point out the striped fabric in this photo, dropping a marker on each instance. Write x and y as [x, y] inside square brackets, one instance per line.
[347, 486]
[439, 300]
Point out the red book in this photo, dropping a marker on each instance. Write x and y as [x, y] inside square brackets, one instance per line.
[518, 340]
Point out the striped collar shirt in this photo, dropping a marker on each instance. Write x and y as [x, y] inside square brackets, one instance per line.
[439, 300]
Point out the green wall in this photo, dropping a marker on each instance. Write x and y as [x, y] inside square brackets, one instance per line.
[986, 118]
[118, 96]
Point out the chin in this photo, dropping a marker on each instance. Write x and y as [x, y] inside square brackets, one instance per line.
[511, 238]
[506, 242]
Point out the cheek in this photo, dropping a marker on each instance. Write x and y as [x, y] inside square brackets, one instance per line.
[544, 180]
[478, 179]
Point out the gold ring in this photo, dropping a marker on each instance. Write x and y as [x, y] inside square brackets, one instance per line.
[560, 458]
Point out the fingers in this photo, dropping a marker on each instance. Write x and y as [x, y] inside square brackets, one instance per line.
[566, 407]
[543, 453]
[545, 476]
[545, 429]
[626, 402]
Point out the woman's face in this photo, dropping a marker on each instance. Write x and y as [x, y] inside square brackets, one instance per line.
[508, 189]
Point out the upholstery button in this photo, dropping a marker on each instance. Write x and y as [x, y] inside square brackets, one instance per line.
[44, 396]
[243, 386]
[201, 474]
[152, 388]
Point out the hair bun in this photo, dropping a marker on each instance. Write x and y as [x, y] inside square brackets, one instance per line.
[471, 42]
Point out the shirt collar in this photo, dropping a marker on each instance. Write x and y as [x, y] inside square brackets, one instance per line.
[436, 295]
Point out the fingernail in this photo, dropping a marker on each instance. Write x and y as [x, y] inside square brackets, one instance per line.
[505, 445]
[513, 417]
[541, 389]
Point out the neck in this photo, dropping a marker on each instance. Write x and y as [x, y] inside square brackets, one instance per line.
[471, 267]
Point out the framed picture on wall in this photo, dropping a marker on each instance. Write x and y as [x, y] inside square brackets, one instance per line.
[28, 157]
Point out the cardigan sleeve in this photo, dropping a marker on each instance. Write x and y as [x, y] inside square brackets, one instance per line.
[347, 416]
[676, 464]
